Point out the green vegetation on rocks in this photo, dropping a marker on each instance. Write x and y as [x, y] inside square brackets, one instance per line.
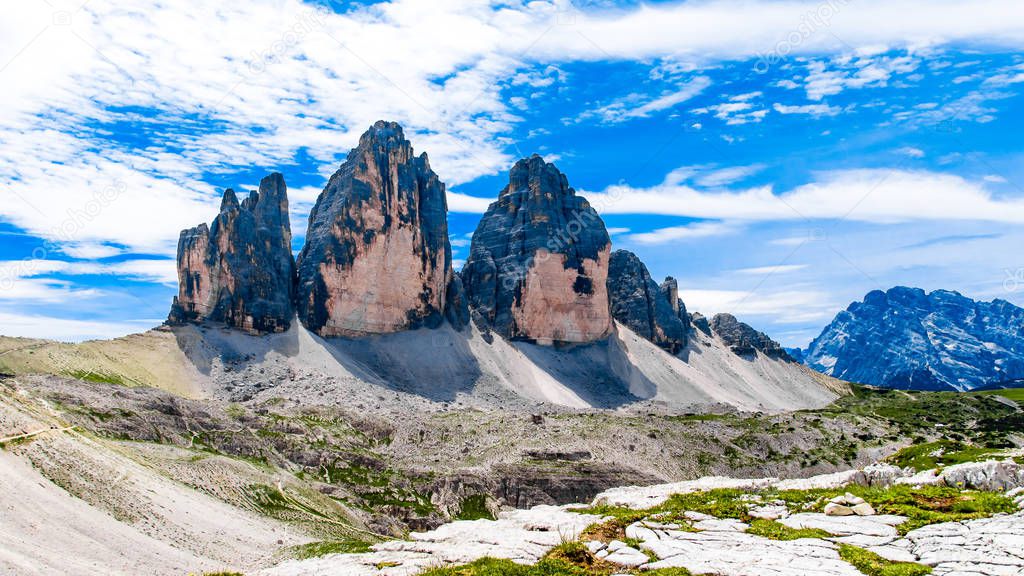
[872, 564]
[931, 455]
[775, 531]
[474, 508]
[569, 559]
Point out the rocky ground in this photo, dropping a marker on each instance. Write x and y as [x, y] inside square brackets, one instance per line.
[268, 467]
[773, 527]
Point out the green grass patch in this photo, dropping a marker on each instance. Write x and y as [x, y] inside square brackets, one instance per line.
[872, 564]
[777, 531]
[98, 378]
[319, 549]
[921, 506]
[938, 454]
[474, 508]
[1015, 394]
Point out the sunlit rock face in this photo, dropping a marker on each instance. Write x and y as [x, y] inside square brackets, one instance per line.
[377, 258]
[538, 265]
[239, 271]
[650, 310]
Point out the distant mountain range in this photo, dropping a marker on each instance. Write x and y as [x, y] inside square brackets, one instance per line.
[906, 338]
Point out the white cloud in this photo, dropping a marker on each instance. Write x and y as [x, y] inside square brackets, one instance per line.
[792, 306]
[14, 272]
[678, 233]
[828, 78]
[62, 329]
[911, 152]
[995, 179]
[458, 202]
[766, 270]
[726, 176]
[255, 82]
[638, 105]
[876, 195]
[815, 110]
[735, 112]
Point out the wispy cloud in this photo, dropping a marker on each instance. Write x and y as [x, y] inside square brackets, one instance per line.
[816, 110]
[876, 195]
[778, 269]
[638, 105]
[681, 233]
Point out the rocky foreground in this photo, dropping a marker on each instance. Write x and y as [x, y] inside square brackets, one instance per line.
[783, 535]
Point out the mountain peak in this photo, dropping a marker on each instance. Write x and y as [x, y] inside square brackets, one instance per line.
[908, 338]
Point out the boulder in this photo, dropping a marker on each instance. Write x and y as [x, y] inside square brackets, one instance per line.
[883, 475]
[650, 310]
[377, 257]
[992, 475]
[538, 265]
[239, 271]
[744, 340]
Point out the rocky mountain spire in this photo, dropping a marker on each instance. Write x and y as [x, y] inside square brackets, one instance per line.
[538, 265]
[744, 340]
[377, 257]
[239, 271]
[650, 310]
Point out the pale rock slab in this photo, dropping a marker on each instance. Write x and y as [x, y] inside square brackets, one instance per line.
[642, 497]
[990, 546]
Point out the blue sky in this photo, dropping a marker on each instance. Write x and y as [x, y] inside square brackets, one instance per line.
[779, 158]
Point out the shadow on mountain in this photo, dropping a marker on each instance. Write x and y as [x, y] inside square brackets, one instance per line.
[435, 364]
[203, 343]
[599, 373]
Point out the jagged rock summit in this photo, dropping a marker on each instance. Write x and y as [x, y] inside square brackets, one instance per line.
[538, 265]
[652, 311]
[907, 338]
[377, 257]
[745, 340]
[239, 271]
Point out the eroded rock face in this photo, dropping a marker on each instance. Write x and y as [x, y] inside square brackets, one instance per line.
[377, 257]
[538, 265]
[650, 310]
[744, 340]
[239, 271]
[698, 321]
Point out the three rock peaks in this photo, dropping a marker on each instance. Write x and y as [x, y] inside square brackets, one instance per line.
[377, 260]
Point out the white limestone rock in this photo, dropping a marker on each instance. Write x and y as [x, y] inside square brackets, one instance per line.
[846, 525]
[992, 475]
[643, 497]
[822, 482]
[627, 556]
[925, 478]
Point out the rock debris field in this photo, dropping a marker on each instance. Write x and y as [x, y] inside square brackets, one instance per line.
[705, 544]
